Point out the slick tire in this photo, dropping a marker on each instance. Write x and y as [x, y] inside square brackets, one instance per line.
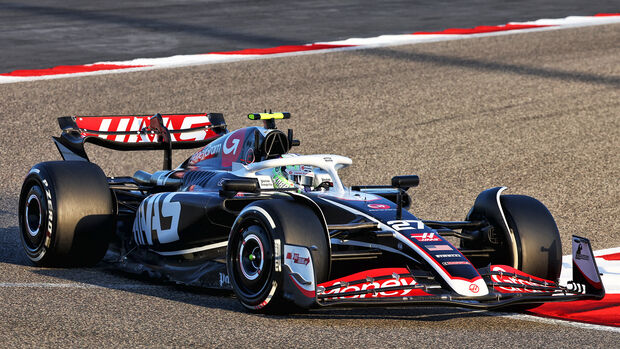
[66, 214]
[251, 254]
[537, 237]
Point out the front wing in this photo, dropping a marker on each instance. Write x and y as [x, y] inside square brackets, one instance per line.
[399, 286]
[507, 286]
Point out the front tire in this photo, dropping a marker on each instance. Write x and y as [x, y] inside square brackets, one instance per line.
[65, 214]
[257, 269]
[536, 234]
[251, 262]
[532, 241]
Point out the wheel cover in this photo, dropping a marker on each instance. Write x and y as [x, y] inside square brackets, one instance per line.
[251, 261]
[251, 257]
[33, 215]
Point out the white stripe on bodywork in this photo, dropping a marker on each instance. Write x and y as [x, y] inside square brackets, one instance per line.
[193, 250]
[513, 241]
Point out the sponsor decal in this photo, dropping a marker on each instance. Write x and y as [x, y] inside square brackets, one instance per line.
[207, 152]
[148, 228]
[515, 281]
[224, 279]
[137, 123]
[231, 149]
[274, 286]
[578, 255]
[424, 237]
[277, 255]
[379, 206]
[584, 263]
[474, 288]
[266, 183]
[449, 255]
[297, 259]
[455, 263]
[50, 215]
[439, 247]
[403, 281]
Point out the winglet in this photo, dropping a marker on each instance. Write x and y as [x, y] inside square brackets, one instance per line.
[585, 271]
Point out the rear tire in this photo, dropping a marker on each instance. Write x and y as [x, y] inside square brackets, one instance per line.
[66, 214]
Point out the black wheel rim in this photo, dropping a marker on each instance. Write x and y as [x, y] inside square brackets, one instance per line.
[252, 260]
[34, 219]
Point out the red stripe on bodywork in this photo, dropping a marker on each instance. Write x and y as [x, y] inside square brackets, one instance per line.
[70, 69]
[606, 14]
[611, 257]
[280, 49]
[484, 29]
[601, 312]
[309, 294]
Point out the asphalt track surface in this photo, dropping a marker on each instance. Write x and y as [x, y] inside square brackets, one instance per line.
[46, 33]
[536, 112]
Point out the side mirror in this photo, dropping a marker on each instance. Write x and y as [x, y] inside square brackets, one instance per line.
[405, 182]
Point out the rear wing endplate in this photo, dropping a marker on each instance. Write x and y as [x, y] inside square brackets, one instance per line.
[138, 132]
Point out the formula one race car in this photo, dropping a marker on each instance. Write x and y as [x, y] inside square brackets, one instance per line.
[281, 229]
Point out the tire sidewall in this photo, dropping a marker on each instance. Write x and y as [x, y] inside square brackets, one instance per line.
[79, 213]
[41, 185]
[271, 283]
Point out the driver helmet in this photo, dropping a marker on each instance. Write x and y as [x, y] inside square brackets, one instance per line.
[293, 176]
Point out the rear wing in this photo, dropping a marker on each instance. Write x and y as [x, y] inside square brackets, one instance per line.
[138, 132]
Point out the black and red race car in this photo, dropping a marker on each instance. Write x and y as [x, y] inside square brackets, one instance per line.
[281, 229]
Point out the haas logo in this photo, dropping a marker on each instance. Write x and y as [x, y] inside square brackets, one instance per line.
[426, 237]
[474, 288]
[157, 220]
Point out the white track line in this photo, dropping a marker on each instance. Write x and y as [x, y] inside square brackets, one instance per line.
[570, 323]
[360, 44]
[76, 285]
